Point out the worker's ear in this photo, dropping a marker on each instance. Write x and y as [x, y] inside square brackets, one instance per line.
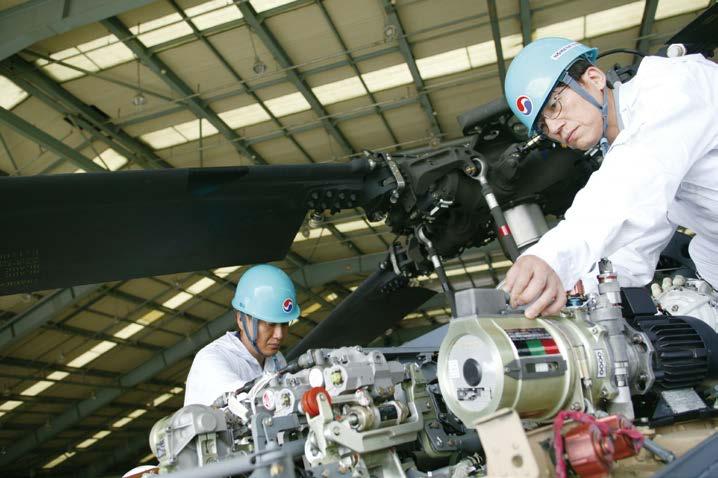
[593, 77]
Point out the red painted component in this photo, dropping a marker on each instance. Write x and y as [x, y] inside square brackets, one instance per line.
[549, 346]
[626, 445]
[504, 231]
[589, 451]
[309, 400]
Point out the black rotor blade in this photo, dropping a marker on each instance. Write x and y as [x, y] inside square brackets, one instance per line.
[366, 313]
[71, 229]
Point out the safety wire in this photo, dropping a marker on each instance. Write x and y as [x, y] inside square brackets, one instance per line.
[631, 433]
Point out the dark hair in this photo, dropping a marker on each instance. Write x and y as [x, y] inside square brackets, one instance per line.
[577, 70]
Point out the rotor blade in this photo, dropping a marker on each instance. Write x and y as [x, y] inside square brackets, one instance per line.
[375, 306]
[72, 229]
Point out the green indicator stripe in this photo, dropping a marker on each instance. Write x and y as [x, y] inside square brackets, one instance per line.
[535, 347]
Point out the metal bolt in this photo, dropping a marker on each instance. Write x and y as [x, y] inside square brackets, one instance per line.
[470, 169]
[336, 431]
[267, 422]
[575, 406]
[434, 424]
[507, 370]
[604, 393]
[637, 339]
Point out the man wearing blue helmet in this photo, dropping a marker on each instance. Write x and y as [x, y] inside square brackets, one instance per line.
[659, 137]
[265, 302]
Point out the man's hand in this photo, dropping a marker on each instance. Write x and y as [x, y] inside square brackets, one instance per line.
[531, 279]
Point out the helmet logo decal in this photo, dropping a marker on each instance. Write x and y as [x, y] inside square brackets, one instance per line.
[288, 305]
[560, 52]
[524, 105]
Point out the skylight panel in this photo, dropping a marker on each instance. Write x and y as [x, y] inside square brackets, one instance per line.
[190, 129]
[57, 375]
[389, 77]
[225, 271]
[10, 405]
[339, 90]
[201, 285]
[163, 138]
[311, 308]
[161, 29]
[481, 54]
[177, 300]
[670, 8]
[511, 45]
[10, 94]
[59, 459]
[162, 399]
[94, 439]
[131, 416]
[287, 104]
[572, 29]
[92, 354]
[128, 331]
[110, 159]
[244, 116]
[37, 388]
[59, 72]
[263, 5]
[150, 317]
[442, 64]
[63, 54]
[215, 14]
[614, 19]
[351, 226]
[111, 55]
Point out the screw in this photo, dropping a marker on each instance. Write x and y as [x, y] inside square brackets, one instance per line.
[470, 169]
[575, 406]
[267, 422]
[637, 339]
[675, 308]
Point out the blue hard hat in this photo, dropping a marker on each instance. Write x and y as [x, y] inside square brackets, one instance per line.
[266, 292]
[536, 70]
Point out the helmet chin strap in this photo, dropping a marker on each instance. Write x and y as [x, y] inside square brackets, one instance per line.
[581, 91]
[255, 330]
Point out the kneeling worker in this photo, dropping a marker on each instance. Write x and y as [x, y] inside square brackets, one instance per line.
[265, 302]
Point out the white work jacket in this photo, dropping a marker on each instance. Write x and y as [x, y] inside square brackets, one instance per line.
[224, 365]
[660, 172]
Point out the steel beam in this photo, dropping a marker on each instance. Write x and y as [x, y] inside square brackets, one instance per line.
[26, 129]
[193, 102]
[496, 33]
[47, 90]
[405, 50]
[525, 14]
[42, 312]
[649, 17]
[35, 20]
[353, 65]
[117, 456]
[313, 275]
[151, 367]
[266, 36]
[135, 119]
[205, 41]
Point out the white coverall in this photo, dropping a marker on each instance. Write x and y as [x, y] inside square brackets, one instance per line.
[660, 172]
[222, 366]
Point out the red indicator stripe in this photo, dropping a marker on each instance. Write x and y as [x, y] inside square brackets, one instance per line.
[504, 231]
[549, 346]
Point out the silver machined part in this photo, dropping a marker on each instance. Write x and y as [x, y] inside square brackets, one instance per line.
[400, 181]
[527, 223]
